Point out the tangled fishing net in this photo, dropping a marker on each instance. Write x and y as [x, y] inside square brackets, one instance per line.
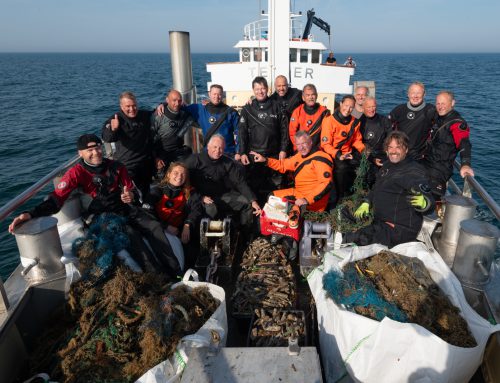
[401, 288]
[342, 217]
[117, 324]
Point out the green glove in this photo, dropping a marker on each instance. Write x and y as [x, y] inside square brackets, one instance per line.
[418, 201]
[362, 210]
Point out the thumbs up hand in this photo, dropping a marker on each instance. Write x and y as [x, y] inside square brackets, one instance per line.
[115, 123]
[127, 196]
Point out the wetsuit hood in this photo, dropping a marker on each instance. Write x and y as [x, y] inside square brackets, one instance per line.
[311, 109]
[416, 108]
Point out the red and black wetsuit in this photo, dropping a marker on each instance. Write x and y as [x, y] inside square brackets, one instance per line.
[449, 136]
[103, 184]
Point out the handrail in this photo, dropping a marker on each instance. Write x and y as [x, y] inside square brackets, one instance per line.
[17, 201]
[482, 193]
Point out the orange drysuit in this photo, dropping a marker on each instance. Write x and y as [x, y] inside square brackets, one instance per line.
[301, 120]
[313, 177]
[338, 138]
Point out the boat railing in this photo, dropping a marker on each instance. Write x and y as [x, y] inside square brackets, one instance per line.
[18, 201]
[258, 30]
[472, 184]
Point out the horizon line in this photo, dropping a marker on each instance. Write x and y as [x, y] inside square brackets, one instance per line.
[236, 53]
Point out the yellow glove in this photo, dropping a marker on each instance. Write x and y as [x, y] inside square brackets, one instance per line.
[418, 201]
[362, 210]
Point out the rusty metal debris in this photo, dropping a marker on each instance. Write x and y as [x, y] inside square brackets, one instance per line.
[273, 328]
[267, 279]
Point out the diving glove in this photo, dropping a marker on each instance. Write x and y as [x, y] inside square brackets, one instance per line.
[362, 211]
[418, 201]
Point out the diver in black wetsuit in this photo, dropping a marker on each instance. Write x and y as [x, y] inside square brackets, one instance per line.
[129, 129]
[263, 129]
[399, 197]
[449, 136]
[415, 118]
[287, 98]
[374, 129]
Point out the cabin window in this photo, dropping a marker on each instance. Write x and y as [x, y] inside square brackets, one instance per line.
[303, 55]
[293, 55]
[266, 59]
[245, 55]
[257, 54]
[315, 55]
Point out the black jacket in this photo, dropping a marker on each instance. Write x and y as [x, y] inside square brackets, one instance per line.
[374, 131]
[263, 129]
[291, 100]
[396, 182]
[213, 178]
[449, 136]
[133, 139]
[416, 122]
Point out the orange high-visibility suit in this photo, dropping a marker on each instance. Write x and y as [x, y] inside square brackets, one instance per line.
[338, 138]
[313, 177]
[301, 120]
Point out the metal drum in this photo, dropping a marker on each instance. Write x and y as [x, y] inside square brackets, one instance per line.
[458, 209]
[70, 211]
[475, 249]
[39, 247]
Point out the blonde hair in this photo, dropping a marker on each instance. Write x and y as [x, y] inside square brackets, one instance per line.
[186, 188]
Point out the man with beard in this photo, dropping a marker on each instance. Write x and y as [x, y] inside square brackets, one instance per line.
[342, 140]
[110, 190]
[221, 183]
[308, 116]
[449, 136]
[398, 199]
[360, 94]
[168, 130]
[129, 130]
[264, 130]
[415, 119]
[217, 117]
[374, 128]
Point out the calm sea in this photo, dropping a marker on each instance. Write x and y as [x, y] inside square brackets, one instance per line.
[47, 100]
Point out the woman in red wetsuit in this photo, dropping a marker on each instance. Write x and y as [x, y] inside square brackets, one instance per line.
[175, 202]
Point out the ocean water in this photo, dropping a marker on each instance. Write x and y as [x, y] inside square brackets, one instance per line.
[48, 100]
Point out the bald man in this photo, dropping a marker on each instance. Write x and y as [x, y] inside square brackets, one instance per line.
[168, 131]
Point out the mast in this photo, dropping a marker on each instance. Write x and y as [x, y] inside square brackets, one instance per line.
[279, 39]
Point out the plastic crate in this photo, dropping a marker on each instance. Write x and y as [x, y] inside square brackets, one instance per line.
[270, 226]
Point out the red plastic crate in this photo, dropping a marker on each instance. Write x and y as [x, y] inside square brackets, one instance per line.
[270, 226]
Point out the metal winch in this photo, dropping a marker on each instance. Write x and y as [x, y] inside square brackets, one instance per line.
[318, 238]
[216, 250]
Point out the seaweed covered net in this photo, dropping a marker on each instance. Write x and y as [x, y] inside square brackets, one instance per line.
[341, 217]
[401, 288]
[117, 324]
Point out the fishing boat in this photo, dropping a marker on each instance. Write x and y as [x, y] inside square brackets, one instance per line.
[271, 46]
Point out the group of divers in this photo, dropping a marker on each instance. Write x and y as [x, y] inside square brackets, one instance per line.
[285, 144]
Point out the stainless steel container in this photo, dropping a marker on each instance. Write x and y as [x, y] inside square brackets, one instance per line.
[71, 210]
[39, 247]
[475, 249]
[458, 209]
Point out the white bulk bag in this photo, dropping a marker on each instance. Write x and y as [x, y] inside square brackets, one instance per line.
[212, 334]
[390, 351]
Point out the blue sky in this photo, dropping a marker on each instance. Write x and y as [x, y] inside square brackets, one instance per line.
[362, 26]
